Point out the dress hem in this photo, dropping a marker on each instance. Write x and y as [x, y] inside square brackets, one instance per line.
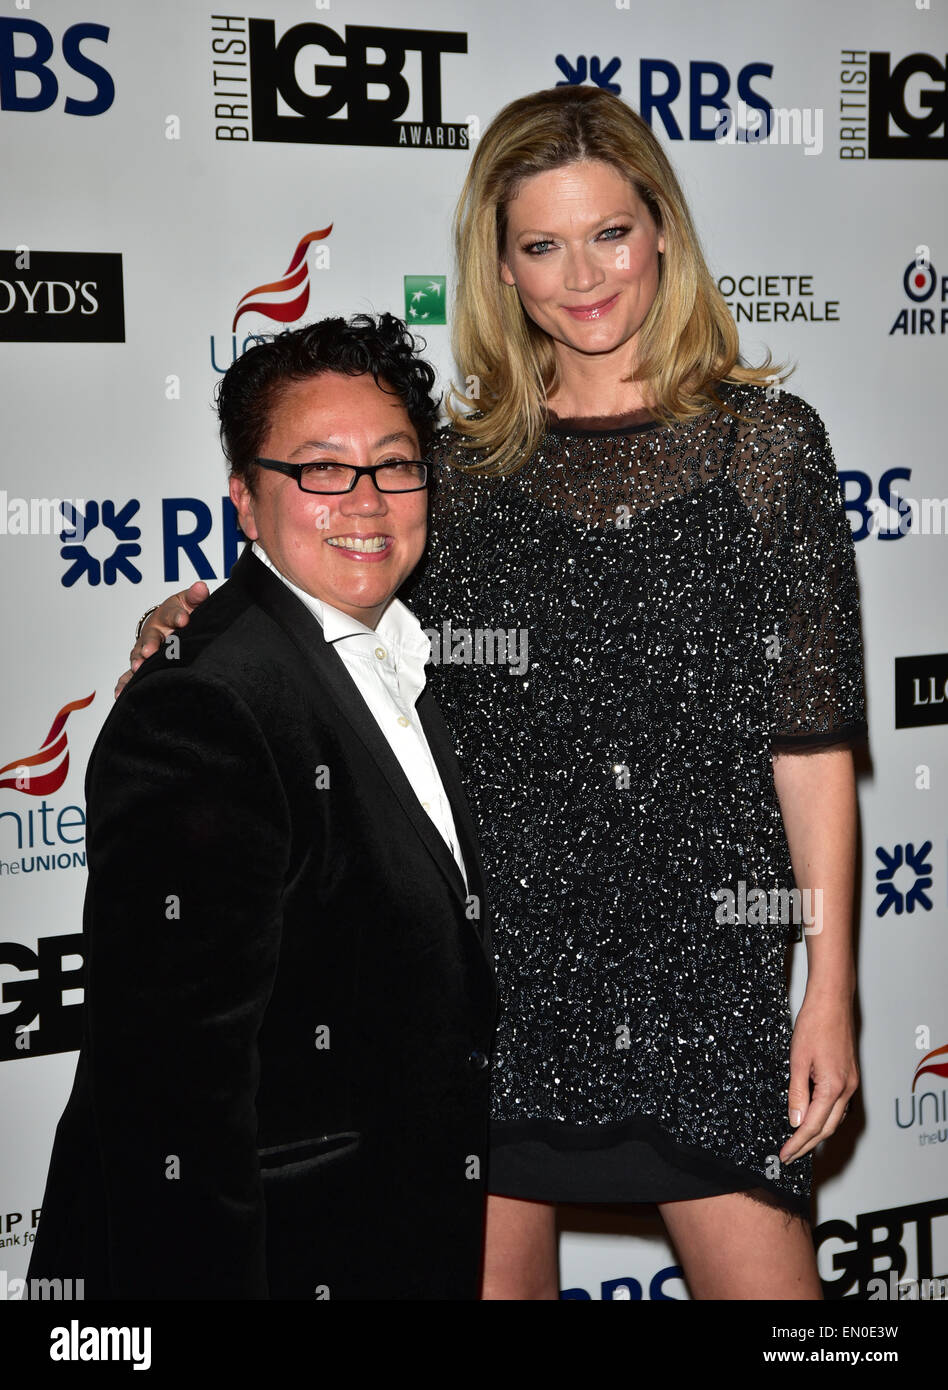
[578, 1139]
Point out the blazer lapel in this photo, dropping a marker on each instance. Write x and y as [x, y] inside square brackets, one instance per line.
[285, 608]
[442, 749]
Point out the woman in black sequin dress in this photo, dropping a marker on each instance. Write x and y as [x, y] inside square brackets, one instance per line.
[668, 674]
[642, 590]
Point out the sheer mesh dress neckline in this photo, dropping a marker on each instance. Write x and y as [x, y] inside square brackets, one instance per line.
[628, 423]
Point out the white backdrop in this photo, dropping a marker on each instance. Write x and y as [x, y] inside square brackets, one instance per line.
[123, 156]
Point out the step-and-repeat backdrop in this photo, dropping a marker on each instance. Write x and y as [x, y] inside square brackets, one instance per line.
[177, 182]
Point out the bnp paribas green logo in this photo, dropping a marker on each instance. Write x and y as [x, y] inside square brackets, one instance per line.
[424, 299]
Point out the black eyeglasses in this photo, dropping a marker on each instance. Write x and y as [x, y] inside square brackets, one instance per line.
[401, 475]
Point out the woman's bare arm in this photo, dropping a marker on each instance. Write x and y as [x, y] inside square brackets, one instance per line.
[817, 794]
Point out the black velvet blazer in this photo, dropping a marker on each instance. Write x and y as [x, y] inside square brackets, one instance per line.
[282, 1088]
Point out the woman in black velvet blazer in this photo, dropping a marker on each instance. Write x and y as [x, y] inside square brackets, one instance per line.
[283, 1083]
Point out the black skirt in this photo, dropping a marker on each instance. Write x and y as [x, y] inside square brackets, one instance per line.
[615, 1165]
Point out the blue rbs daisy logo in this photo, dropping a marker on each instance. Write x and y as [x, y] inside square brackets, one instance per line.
[904, 880]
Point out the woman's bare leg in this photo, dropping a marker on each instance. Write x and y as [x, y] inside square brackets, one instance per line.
[520, 1259]
[732, 1247]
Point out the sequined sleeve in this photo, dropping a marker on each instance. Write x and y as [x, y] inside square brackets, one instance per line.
[819, 697]
[429, 590]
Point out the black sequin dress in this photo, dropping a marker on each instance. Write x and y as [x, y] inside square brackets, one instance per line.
[624, 631]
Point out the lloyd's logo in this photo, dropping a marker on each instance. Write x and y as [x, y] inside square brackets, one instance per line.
[61, 296]
[921, 690]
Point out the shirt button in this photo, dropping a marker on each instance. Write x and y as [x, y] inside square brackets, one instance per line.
[380, 653]
[427, 805]
[403, 721]
[477, 1060]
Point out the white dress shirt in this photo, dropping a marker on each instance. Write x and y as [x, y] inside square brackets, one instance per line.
[388, 668]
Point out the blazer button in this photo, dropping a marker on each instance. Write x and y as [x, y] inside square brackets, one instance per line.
[477, 1060]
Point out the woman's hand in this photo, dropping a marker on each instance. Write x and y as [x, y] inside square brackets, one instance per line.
[175, 612]
[823, 1051]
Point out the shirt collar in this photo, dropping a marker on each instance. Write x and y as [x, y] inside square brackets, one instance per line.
[398, 627]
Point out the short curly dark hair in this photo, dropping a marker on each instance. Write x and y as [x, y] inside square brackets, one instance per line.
[249, 390]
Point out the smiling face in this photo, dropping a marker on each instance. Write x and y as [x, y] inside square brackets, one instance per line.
[309, 537]
[582, 250]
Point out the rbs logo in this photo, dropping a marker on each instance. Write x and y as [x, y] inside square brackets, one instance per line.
[28, 82]
[889, 516]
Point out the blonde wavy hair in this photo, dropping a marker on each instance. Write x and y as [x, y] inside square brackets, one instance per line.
[688, 342]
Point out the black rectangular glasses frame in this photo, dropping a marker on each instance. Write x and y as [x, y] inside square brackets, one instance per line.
[296, 470]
